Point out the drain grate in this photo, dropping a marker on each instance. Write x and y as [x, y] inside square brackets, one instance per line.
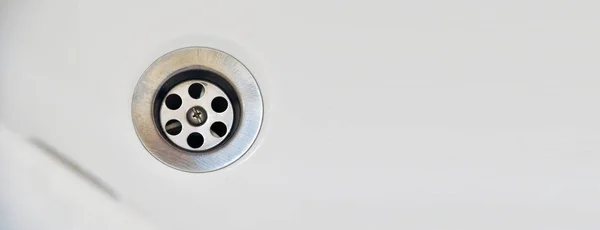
[199, 119]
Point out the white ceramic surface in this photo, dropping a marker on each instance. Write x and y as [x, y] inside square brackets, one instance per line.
[379, 114]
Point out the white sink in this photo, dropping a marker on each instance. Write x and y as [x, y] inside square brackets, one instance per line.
[378, 114]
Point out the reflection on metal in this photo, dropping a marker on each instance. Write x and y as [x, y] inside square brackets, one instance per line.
[215, 124]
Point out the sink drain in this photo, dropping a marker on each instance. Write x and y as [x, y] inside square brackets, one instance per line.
[197, 109]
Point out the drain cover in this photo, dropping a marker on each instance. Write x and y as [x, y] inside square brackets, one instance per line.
[197, 109]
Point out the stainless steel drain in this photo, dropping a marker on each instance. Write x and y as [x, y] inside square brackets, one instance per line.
[197, 109]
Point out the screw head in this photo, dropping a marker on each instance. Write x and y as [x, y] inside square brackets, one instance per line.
[196, 116]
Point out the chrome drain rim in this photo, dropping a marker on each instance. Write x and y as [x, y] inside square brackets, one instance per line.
[242, 132]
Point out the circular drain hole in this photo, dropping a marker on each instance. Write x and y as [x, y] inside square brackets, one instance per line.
[187, 111]
[173, 127]
[219, 104]
[173, 101]
[195, 140]
[218, 129]
[196, 90]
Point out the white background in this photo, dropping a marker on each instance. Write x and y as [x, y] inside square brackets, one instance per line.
[380, 114]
